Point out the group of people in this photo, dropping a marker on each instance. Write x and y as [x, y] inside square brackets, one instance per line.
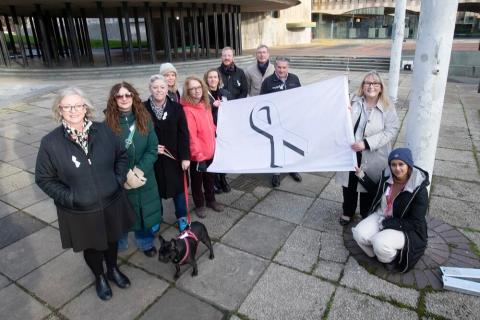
[108, 178]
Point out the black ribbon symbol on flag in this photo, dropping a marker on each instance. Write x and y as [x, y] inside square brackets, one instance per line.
[265, 120]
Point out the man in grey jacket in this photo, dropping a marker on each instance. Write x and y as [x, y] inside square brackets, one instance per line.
[259, 70]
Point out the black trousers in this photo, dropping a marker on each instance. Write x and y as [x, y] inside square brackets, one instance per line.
[94, 258]
[199, 179]
[350, 198]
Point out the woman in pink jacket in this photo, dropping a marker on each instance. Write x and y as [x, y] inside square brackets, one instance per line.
[201, 130]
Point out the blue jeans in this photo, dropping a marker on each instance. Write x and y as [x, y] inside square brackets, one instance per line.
[144, 240]
[180, 205]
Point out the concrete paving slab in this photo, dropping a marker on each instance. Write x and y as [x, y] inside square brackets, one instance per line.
[7, 169]
[456, 189]
[349, 304]
[218, 223]
[473, 236]
[25, 197]
[60, 279]
[229, 197]
[218, 279]
[44, 210]
[260, 191]
[5, 209]
[333, 248]
[4, 281]
[323, 215]
[328, 270]
[455, 155]
[311, 185]
[29, 253]
[125, 303]
[283, 205]
[283, 293]
[17, 151]
[356, 277]
[467, 216]
[456, 170]
[453, 305]
[17, 226]
[246, 202]
[332, 191]
[15, 182]
[18, 305]
[26, 163]
[301, 249]
[258, 234]
[178, 305]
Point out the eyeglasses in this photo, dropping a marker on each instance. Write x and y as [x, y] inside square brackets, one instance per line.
[196, 89]
[77, 107]
[374, 84]
[123, 96]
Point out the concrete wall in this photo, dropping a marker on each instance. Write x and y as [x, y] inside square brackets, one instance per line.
[264, 28]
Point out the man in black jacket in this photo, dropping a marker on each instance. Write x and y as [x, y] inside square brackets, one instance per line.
[278, 81]
[233, 78]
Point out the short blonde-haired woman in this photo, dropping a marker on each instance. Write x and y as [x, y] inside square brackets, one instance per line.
[82, 165]
[375, 125]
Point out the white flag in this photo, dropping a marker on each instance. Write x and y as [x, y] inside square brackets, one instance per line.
[306, 129]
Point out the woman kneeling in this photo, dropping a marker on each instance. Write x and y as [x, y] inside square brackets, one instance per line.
[396, 230]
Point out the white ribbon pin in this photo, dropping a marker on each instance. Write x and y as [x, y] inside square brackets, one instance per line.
[75, 161]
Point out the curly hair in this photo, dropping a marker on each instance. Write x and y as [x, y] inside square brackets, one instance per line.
[186, 91]
[112, 113]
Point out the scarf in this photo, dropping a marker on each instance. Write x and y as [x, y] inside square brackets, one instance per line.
[158, 110]
[262, 67]
[80, 138]
[228, 70]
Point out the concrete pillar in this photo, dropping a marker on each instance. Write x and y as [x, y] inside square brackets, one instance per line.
[396, 51]
[207, 31]
[17, 29]
[126, 16]
[215, 29]
[34, 34]
[150, 32]
[432, 59]
[182, 31]
[103, 30]
[27, 37]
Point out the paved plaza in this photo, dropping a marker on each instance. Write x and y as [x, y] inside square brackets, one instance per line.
[279, 253]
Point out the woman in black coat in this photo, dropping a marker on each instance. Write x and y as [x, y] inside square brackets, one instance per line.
[396, 230]
[82, 166]
[217, 94]
[173, 146]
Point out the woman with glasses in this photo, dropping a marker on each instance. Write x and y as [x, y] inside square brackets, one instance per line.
[131, 122]
[83, 166]
[217, 94]
[201, 130]
[375, 124]
[173, 146]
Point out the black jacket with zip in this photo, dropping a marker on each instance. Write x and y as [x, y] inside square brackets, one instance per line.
[408, 216]
[76, 181]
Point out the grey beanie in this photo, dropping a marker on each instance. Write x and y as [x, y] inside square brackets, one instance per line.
[167, 67]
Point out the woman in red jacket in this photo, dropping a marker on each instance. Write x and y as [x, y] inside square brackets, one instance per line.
[201, 131]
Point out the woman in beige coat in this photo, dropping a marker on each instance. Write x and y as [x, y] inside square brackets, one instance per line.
[375, 124]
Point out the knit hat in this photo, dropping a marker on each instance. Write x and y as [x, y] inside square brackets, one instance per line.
[167, 67]
[403, 154]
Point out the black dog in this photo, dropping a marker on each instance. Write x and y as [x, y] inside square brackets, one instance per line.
[182, 249]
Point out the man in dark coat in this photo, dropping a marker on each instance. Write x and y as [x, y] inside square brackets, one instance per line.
[172, 132]
[280, 80]
[233, 78]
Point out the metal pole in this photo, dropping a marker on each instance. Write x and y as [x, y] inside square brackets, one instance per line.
[215, 29]
[16, 27]
[34, 34]
[126, 16]
[103, 30]
[182, 31]
[396, 52]
[166, 33]
[432, 59]
[137, 33]
[207, 31]
[150, 33]
[27, 37]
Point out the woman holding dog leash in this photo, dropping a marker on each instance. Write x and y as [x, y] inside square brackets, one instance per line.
[82, 165]
[201, 130]
[173, 146]
[130, 120]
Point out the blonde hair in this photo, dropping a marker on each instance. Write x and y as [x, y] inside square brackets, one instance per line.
[71, 91]
[186, 90]
[382, 96]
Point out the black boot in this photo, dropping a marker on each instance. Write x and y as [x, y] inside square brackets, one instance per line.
[102, 287]
[224, 183]
[118, 278]
[217, 187]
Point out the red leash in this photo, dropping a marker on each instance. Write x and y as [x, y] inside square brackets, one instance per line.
[185, 184]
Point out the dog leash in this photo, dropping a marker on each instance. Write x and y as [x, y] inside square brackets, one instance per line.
[185, 184]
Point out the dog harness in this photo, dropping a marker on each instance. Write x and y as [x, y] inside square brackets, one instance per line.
[184, 236]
